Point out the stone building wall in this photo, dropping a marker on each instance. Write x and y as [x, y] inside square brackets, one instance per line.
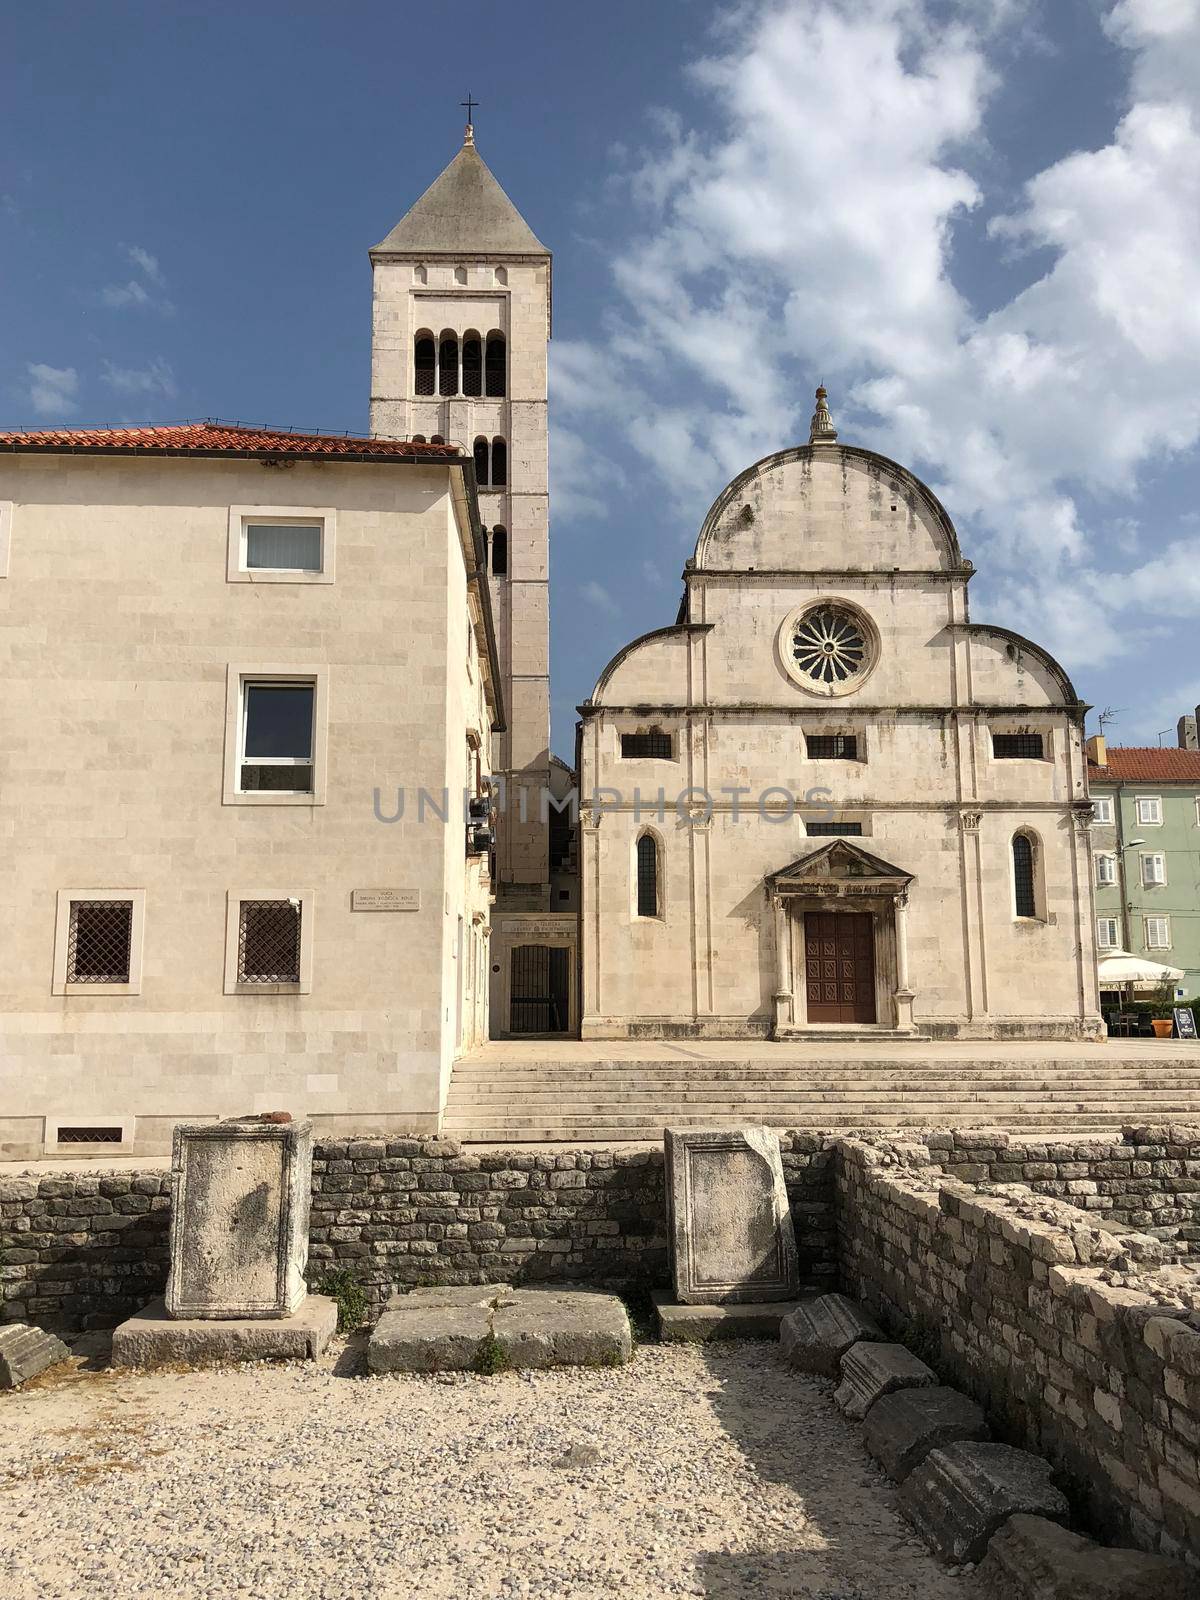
[1073, 1337]
[1148, 1180]
[82, 1250]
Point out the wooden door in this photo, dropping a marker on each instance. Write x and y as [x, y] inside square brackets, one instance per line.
[839, 966]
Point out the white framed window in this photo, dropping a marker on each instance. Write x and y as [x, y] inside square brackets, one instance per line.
[1154, 868]
[1102, 807]
[276, 721]
[1158, 933]
[98, 941]
[1149, 810]
[1106, 869]
[268, 941]
[1106, 933]
[1198, 810]
[6, 517]
[281, 544]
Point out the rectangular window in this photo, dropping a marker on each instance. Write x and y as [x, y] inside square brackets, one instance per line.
[1158, 933]
[831, 746]
[1106, 933]
[653, 746]
[1106, 869]
[1102, 807]
[268, 943]
[275, 735]
[1154, 869]
[1198, 810]
[1017, 746]
[98, 941]
[1149, 810]
[281, 544]
[278, 547]
[833, 830]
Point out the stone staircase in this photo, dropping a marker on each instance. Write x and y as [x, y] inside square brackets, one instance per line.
[573, 1094]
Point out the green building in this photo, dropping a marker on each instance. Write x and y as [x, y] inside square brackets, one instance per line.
[1146, 854]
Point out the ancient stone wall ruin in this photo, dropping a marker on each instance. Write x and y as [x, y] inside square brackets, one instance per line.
[1075, 1339]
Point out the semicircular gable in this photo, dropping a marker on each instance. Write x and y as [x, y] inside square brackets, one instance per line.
[650, 669]
[825, 508]
[1006, 668]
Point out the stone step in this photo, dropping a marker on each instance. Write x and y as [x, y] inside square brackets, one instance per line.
[703, 1072]
[641, 1089]
[1021, 1119]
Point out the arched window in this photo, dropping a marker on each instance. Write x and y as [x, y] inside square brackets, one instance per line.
[425, 363]
[496, 365]
[436, 438]
[1024, 882]
[499, 551]
[472, 382]
[481, 463]
[420, 275]
[499, 463]
[448, 364]
[460, 274]
[647, 876]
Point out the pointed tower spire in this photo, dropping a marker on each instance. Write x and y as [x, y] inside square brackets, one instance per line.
[821, 429]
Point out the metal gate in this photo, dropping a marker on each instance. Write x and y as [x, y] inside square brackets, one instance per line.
[539, 989]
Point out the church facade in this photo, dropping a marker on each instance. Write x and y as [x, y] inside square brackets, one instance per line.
[824, 802]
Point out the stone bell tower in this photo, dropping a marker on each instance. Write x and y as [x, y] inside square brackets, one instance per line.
[459, 353]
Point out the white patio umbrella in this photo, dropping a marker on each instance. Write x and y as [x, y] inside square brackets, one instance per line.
[1120, 967]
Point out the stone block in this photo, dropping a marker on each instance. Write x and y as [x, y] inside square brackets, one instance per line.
[902, 1428]
[816, 1336]
[27, 1351]
[153, 1338]
[239, 1218]
[495, 1326]
[869, 1371]
[1030, 1558]
[731, 1227]
[740, 1320]
[959, 1496]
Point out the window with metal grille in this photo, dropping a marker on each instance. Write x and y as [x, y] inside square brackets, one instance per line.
[655, 746]
[269, 941]
[472, 365]
[277, 737]
[647, 876]
[1023, 885]
[833, 830]
[497, 366]
[1017, 746]
[97, 1135]
[99, 941]
[831, 746]
[1106, 933]
[425, 363]
[448, 363]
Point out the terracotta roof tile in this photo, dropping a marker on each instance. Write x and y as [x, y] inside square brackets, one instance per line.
[220, 438]
[1147, 764]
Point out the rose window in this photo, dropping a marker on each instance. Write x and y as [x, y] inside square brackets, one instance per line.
[829, 645]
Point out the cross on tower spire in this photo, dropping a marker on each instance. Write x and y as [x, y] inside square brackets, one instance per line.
[469, 106]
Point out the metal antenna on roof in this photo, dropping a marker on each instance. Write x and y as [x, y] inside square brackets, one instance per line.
[1109, 714]
[1159, 735]
[469, 105]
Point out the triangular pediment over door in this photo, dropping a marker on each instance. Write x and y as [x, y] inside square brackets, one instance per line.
[840, 862]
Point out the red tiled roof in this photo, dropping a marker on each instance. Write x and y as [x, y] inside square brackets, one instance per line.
[221, 438]
[1148, 764]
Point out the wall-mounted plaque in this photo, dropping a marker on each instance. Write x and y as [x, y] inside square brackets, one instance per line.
[385, 899]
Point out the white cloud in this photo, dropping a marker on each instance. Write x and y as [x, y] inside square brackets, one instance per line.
[598, 597]
[52, 390]
[812, 238]
[146, 288]
[154, 379]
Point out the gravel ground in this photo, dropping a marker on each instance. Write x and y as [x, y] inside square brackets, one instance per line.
[712, 1472]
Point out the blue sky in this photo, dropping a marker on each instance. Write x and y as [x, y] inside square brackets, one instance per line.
[977, 221]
